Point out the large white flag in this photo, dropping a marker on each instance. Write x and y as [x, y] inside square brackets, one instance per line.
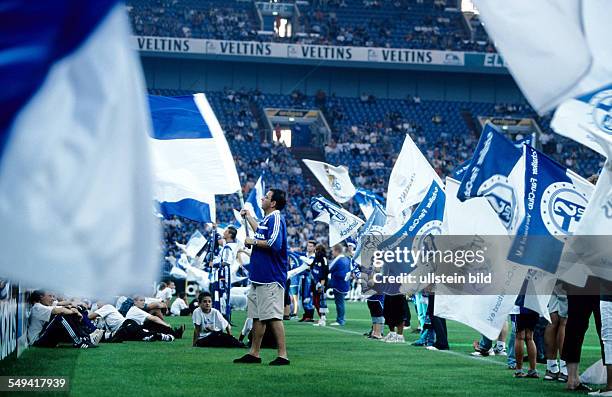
[592, 242]
[75, 179]
[410, 180]
[191, 158]
[336, 180]
[555, 50]
[469, 223]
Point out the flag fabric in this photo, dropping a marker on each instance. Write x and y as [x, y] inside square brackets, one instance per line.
[410, 180]
[458, 172]
[415, 235]
[195, 244]
[342, 224]
[554, 201]
[253, 201]
[590, 113]
[75, 179]
[489, 175]
[202, 209]
[469, 222]
[555, 50]
[592, 238]
[191, 158]
[335, 180]
[367, 201]
[373, 227]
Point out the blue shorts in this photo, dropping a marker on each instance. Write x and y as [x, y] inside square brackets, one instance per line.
[293, 290]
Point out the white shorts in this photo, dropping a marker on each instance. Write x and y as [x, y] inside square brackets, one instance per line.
[266, 302]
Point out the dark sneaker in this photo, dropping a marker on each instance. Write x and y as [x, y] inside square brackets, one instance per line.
[551, 375]
[85, 345]
[562, 378]
[533, 374]
[279, 361]
[248, 359]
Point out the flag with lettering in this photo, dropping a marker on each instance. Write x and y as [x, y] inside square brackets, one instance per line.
[409, 182]
[554, 202]
[489, 175]
[342, 224]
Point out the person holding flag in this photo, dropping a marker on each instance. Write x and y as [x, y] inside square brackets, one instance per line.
[268, 274]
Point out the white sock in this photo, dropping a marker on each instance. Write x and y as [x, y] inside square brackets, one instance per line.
[322, 318]
[552, 366]
[563, 367]
[501, 345]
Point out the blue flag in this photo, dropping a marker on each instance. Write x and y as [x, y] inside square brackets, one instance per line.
[555, 199]
[253, 201]
[367, 201]
[487, 175]
[416, 235]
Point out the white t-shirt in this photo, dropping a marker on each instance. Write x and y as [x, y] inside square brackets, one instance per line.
[39, 316]
[165, 294]
[111, 317]
[209, 322]
[177, 306]
[137, 315]
[228, 253]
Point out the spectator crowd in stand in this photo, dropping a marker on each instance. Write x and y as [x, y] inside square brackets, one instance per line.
[417, 24]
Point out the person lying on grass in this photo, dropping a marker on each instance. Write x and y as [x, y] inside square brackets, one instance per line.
[210, 328]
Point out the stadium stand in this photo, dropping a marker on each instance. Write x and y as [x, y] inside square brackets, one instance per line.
[416, 24]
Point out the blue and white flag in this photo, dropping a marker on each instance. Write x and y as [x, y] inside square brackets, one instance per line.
[425, 221]
[335, 180]
[75, 173]
[556, 50]
[191, 158]
[342, 224]
[554, 201]
[373, 227]
[488, 175]
[592, 112]
[458, 172]
[409, 182]
[367, 201]
[253, 201]
[417, 234]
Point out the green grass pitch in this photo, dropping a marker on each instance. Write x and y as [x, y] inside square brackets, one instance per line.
[328, 361]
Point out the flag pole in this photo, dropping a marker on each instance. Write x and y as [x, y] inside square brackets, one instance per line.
[246, 224]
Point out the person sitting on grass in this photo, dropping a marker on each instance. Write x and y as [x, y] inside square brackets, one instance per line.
[179, 306]
[151, 322]
[50, 325]
[117, 329]
[211, 329]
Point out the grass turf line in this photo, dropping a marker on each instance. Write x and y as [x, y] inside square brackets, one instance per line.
[324, 361]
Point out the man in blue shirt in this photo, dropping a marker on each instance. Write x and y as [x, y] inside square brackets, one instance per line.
[268, 275]
[340, 269]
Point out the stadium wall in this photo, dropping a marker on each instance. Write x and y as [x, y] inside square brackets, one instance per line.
[207, 75]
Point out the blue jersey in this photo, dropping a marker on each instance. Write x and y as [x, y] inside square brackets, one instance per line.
[340, 269]
[269, 265]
